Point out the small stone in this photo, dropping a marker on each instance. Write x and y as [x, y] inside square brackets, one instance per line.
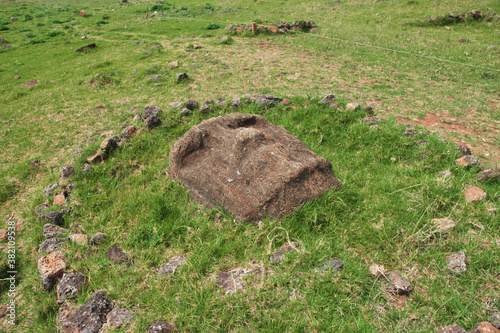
[117, 255]
[445, 174]
[464, 150]
[119, 317]
[223, 39]
[467, 161]
[30, 84]
[160, 327]
[152, 121]
[109, 144]
[70, 286]
[39, 210]
[63, 313]
[474, 194]
[351, 106]
[98, 238]
[334, 266]
[221, 102]
[59, 199]
[151, 110]
[175, 105]
[457, 262]
[197, 46]
[129, 132]
[51, 230]
[35, 163]
[410, 132]
[209, 102]
[192, 104]
[452, 329]
[400, 286]
[205, 109]
[495, 319]
[273, 29]
[96, 158]
[185, 112]
[51, 244]
[90, 317]
[285, 101]
[174, 64]
[233, 280]
[87, 168]
[80, 239]
[179, 77]
[235, 103]
[373, 120]
[489, 175]
[278, 256]
[443, 224]
[171, 266]
[328, 99]
[369, 111]
[49, 190]
[52, 217]
[51, 267]
[484, 327]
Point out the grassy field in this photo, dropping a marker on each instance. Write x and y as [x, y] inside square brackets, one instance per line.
[384, 54]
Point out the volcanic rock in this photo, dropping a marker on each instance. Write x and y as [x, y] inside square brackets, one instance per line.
[117, 255]
[278, 256]
[250, 167]
[51, 267]
[457, 262]
[70, 286]
[171, 266]
[160, 327]
[334, 265]
[52, 217]
[90, 317]
[399, 285]
[490, 174]
[452, 329]
[467, 161]
[474, 194]
[328, 99]
[51, 244]
[119, 317]
[98, 238]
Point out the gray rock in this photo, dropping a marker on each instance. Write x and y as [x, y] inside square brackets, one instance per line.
[205, 109]
[13, 19]
[51, 230]
[457, 262]
[152, 121]
[160, 327]
[267, 100]
[120, 317]
[52, 217]
[223, 39]
[117, 255]
[151, 110]
[399, 285]
[67, 171]
[51, 244]
[327, 99]
[175, 105]
[174, 64]
[90, 317]
[185, 112]
[209, 102]
[489, 175]
[495, 319]
[70, 286]
[464, 150]
[334, 265]
[40, 209]
[221, 102]
[49, 190]
[277, 257]
[410, 132]
[235, 103]
[179, 77]
[98, 239]
[134, 71]
[192, 104]
[171, 266]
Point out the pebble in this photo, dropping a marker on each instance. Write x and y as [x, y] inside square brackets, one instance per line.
[98, 239]
[457, 262]
[400, 286]
[334, 266]
[119, 317]
[278, 256]
[171, 266]
[474, 194]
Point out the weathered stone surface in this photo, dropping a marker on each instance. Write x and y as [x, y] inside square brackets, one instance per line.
[443, 224]
[51, 244]
[86, 47]
[235, 102]
[80, 239]
[40, 209]
[172, 265]
[484, 327]
[87, 168]
[399, 285]
[152, 121]
[59, 199]
[67, 171]
[495, 319]
[151, 110]
[467, 161]
[119, 317]
[457, 262]
[272, 28]
[62, 314]
[490, 174]
[351, 106]
[445, 174]
[174, 64]
[90, 317]
[452, 329]
[51, 267]
[97, 157]
[205, 109]
[373, 120]
[49, 190]
[328, 99]
[98, 238]
[250, 167]
[232, 280]
[30, 84]
[278, 256]
[175, 105]
[179, 77]
[334, 265]
[129, 132]
[474, 194]
[160, 327]
[464, 150]
[70, 286]
[185, 112]
[109, 144]
[52, 217]
[117, 255]
[221, 102]
[192, 104]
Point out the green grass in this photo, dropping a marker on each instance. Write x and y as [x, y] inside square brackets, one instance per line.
[390, 186]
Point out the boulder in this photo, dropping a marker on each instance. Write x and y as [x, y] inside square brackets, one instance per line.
[89, 317]
[248, 166]
[51, 267]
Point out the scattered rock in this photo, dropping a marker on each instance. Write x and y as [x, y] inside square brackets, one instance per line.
[399, 285]
[2, 41]
[457, 262]
[272, 28]
[179, 77]
[209, 102]
[221, 102]
[98, 239]
[97, 157]
[13, 19]
[70, 286]
[174, 64]
[86, 47]
[129, 132]
[278, 256]
[35, 163]
[39, 210]
[373, 120]
[30, 84]
[51, 244]
[467, 161]
[197, 46]
[490, 175]
[464, 150]
[410, 132]
[59, 199]
[80, 239]
[351, 106]
[232, 280]
[334, 266]
[442, 139]
[445, 174]
[265, 162]
[369, 111]
[90, 317]
[52, 217]
[151, 110]
[235, 103]
[185, 112]
[484, 327]
[192, 104]
[119, 317]
[49, 190]
[171, 266]
[51, 267]
[152, 121]
[495, 319]
[443, 224]
[422, 143]
[108, 145]
[175, 105]
[452, 329]
[160, 327]
[117, 255]
[76, 228]
[328, 99]
[285, 101]
[87, 168]
[474, 194]
[267, 100]
[63, 313]
[205, 109]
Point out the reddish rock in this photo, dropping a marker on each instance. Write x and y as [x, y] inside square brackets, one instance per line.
[490, 174]
[351, 106]
[51, 267]
[117, 255]
[63, 313]
[50, 230]
[197, 46]
[272, 28]
[59, 199]
[485, 327]
[452, 329]
[248, 166]
[285, 101]
[30, 84]
[109, 144]
[474, 194]
[129, 132]
[239, 30]
[17, 77]
[67, 171]
[467, 161]
[3, 234]
[96, 158]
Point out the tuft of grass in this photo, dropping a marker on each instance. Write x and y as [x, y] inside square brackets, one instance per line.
[4, 28]
[36, 41]
[101, 22]
[160, 7]
[40, 24]
[54, 33]
[30, 35]
[27, 17]
[212, 26]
